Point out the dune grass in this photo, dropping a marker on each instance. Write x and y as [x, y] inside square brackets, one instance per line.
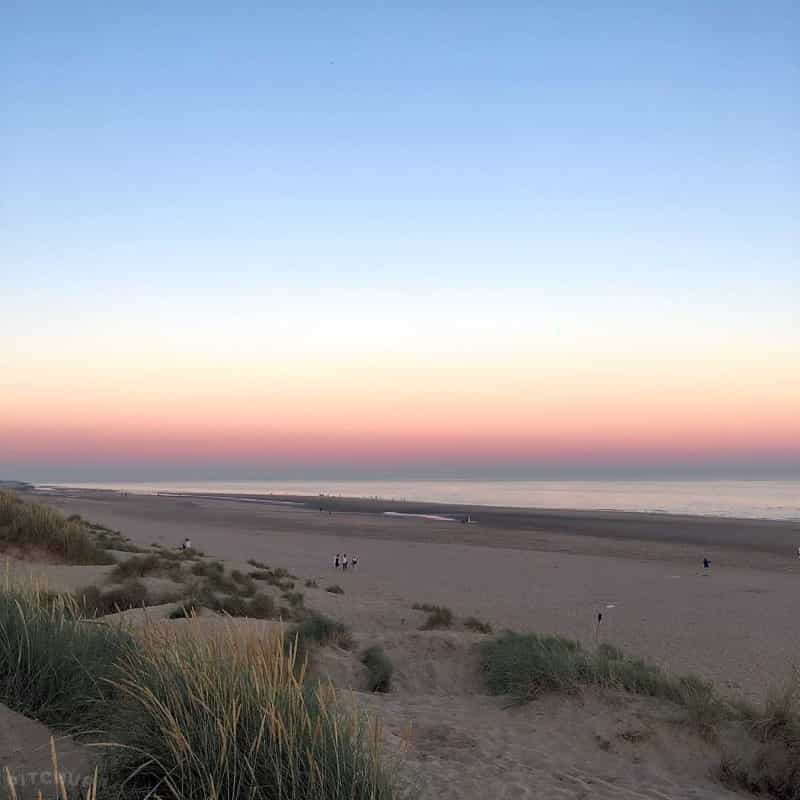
[767, 762]
[187, 717]
[334, 588]
[53, 665]
[438, 617]
[143, 565]
[477, 625]
[379, 668]
[526, 666]
[27, 527]
[317, 629]
[96, 602]
[230, 717]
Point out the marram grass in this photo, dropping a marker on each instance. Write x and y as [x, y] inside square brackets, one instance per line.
[230, 717]
[186, 715]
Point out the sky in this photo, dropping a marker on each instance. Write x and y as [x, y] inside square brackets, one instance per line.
[261, 240]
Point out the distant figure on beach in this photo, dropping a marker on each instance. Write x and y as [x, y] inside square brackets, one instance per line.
[344, 562]
[187, 545]
[336, 561]
[706, 565]
[354, 562]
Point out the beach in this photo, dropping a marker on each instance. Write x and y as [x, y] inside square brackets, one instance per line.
[547, 571]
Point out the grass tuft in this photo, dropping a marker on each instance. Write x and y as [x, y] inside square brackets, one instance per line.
[439, 617]
[474, 624]
[317, 629]
[379, 668]
[230, 716]
[53, 665]
[334, 589]
[94, 602]
[28, 527]
[526, 666]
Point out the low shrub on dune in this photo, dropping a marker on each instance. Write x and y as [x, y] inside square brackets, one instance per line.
[439, 617]
[317, 629]
[96, 602]
[474, 624]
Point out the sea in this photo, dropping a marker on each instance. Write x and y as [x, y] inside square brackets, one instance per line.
[755, 499]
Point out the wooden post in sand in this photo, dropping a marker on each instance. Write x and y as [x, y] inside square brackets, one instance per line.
[597, 627]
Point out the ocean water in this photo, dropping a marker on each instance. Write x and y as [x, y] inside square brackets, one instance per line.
[753, 499]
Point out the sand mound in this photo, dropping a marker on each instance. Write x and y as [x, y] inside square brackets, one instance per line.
[25, 750]
[459, 747]
[433, 662]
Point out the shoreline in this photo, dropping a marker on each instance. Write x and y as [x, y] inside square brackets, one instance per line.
[756, 535]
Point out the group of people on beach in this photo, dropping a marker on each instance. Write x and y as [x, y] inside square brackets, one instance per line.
[342, 561]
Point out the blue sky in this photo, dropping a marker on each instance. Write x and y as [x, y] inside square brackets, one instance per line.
[609, 161]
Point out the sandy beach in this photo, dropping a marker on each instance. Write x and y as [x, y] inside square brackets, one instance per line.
[548, 571]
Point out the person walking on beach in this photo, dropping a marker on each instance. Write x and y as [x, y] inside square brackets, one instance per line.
[354, 563]
[187, 545]
[336, 561]
[344, 562]
[706, 566]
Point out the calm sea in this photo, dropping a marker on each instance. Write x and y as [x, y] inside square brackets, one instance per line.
[758, 499]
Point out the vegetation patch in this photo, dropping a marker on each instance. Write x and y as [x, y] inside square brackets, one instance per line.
[379, 668]
[144, 565]
[767, 761]
[528, 665]
[29, 527]
[474, 624]
[54, 667]
[95, 602]
[192, 717]
[334, 589]
[317, 629]
[294, 599]
[179, 736]
[438, 617]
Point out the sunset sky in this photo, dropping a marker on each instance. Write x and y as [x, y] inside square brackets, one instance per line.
[396, 240]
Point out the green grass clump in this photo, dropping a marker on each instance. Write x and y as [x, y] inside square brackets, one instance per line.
[230, 717]
[94, 602]
[294, 599]
[334, 589]
[54, 667]
[27, 527]
[767, 762]
[205, 569]
[278, 577]
[439, 617]
[474, 624]
[135, 567]
[317, 629]
[260, 606]
[379, 668]
[528, 665]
